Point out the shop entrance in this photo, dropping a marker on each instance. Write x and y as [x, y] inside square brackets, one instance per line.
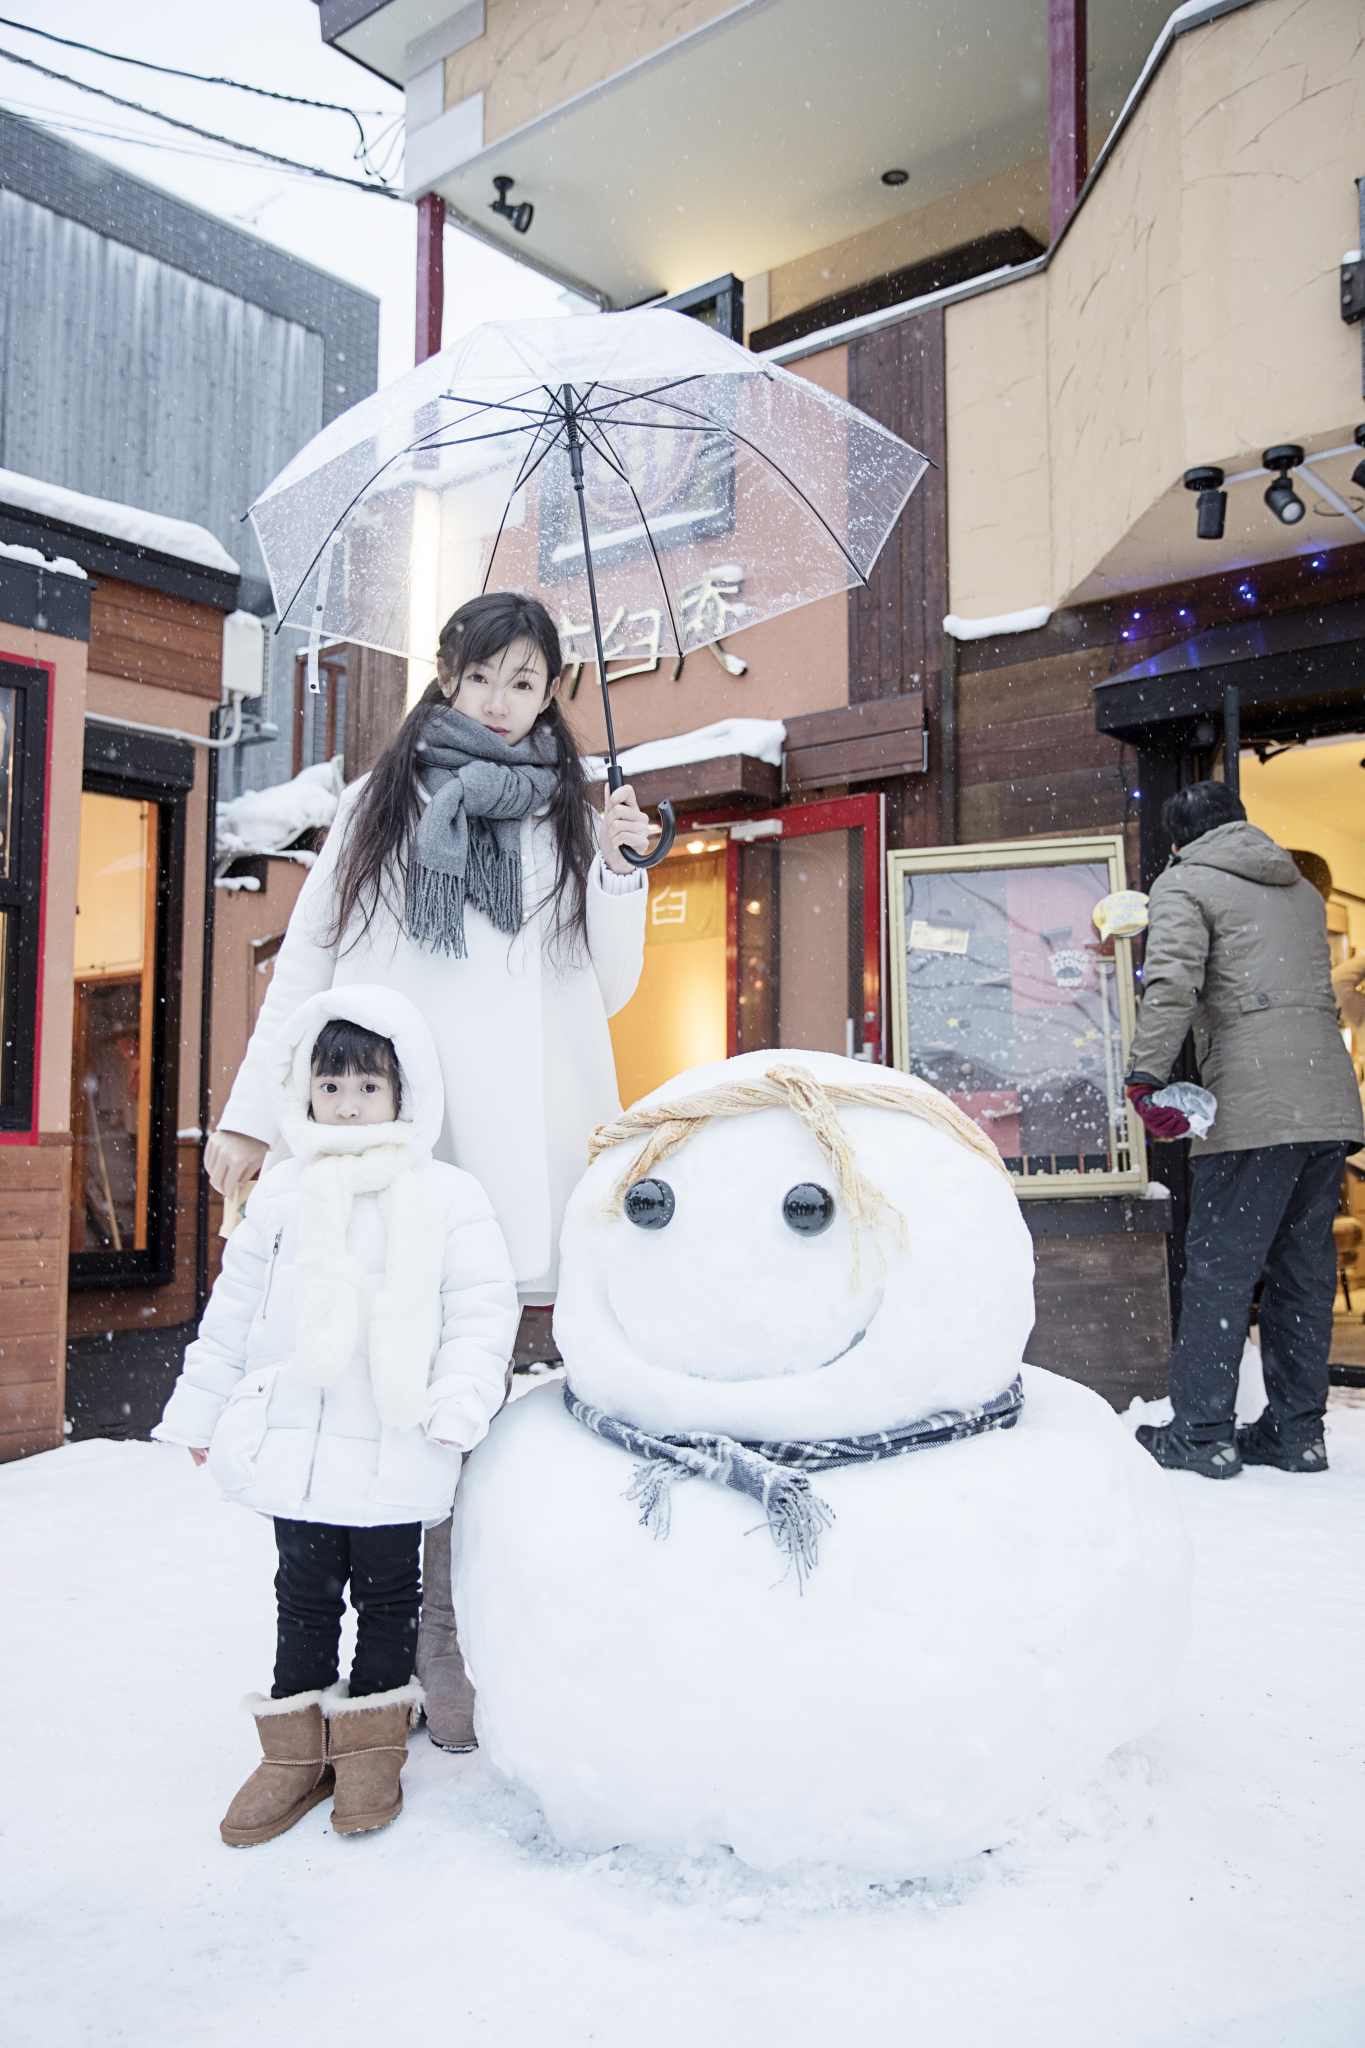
[762, 931]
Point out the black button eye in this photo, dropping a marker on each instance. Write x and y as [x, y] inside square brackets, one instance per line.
[808, 1209]
[649, 1204]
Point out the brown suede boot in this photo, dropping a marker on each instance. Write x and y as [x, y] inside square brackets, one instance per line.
[440, 1667]
[367, 1746]
[294, 1776]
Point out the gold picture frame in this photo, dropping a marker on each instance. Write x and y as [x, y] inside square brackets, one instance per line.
[1085, 981]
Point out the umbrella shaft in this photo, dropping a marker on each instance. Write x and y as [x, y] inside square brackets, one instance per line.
[614, 776]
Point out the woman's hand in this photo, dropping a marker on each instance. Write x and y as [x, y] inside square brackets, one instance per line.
[198, 1456]
[623, 824]
[231, 1159]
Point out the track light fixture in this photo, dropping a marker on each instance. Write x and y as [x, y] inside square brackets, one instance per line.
[1358, 473]
[520, 216]
[1213, 500]
[1283, 500]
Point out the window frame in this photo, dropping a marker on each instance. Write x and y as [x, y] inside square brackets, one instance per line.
[1083, 850]
[143, 776]
[21, 897]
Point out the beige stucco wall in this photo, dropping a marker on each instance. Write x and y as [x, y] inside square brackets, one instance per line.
[1016, 199]
[1189, 316]
[535, 54]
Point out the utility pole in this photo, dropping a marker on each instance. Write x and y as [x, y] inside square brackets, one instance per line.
[431, 221]
[1068, 140]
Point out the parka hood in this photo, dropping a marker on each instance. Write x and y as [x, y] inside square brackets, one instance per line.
[392, 1016]
[1241, 849]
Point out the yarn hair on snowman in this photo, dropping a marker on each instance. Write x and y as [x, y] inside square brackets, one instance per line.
[669, 1125]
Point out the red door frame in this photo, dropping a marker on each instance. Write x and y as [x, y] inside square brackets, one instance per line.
[798, 821]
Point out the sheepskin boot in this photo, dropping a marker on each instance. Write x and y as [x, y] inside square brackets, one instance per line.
[367, 1746]
[440, 1667]
[294, 1776]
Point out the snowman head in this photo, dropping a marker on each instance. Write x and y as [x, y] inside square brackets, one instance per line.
[792, 1246]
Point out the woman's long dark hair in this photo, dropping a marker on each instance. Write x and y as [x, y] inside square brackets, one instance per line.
[375, 853]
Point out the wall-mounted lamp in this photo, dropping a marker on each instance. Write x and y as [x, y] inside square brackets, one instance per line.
[1283, 500]
[520, 216]
[1213, 500]
[1358, 473]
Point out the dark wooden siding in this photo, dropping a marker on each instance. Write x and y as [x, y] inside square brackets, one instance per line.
[35, 1185]
[895, 625]
[147, 636]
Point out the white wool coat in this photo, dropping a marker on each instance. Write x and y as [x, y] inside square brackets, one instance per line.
[523, 1043]
[357, 1340]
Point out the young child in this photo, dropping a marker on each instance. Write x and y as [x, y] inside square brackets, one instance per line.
[355, 1345]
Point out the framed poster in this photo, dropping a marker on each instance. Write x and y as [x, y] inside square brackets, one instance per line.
[1004, 996]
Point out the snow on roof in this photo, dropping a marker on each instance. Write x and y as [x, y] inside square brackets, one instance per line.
[176, 537]
[1027, 621]
[61, 564]
[763, 738]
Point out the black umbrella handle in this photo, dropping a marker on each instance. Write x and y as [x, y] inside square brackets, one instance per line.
[668, 824]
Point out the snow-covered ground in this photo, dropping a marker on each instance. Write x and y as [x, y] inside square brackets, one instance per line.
[1204, 1892]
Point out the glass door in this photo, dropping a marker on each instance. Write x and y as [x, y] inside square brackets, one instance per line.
[761, 932]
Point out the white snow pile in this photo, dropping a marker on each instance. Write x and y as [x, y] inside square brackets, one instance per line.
[763, 738]
[127, 523]
[1202, 1890]
[988, 1619]
[270, 820]
[60, 565]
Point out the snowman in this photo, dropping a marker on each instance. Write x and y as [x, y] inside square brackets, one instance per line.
[802, 1559]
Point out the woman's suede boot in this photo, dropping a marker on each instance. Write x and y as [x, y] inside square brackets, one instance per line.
[367, 1746]
[294, 1776]
[440, 1667]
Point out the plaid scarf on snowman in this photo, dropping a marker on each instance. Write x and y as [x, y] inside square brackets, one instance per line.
[774, 1474]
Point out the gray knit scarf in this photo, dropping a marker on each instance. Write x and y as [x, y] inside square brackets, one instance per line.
[467, 846]
[774, 1474]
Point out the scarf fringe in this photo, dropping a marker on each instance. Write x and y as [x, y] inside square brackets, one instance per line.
[435, 909]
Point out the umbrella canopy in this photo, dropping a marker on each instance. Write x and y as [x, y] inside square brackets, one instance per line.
[719, 490]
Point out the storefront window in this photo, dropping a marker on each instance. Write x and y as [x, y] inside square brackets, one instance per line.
[113, 1064]
[23, 734]
[1008, 1001]
[677, 1017]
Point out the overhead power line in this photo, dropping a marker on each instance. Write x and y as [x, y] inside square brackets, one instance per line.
[199, 77]
[205, 134]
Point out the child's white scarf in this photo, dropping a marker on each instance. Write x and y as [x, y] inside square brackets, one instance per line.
[365, 1160]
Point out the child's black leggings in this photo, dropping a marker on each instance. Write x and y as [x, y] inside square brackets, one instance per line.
[383, 1567]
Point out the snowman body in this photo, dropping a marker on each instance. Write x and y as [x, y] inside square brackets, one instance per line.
[988, 1618]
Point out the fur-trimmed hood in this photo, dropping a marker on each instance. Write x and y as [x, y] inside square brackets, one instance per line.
[389, 1015]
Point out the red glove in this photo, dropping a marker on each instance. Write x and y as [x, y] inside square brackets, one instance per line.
[1164, 1124]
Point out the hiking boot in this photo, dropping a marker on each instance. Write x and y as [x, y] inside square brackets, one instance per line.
[1177, 1454]
[367, 1746]
[1260, 1446]
[294, 1776]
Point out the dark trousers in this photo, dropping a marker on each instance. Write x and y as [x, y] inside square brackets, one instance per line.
[316, 1560]
[1268, 1210]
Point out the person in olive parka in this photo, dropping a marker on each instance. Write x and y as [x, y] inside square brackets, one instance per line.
[1237, 951]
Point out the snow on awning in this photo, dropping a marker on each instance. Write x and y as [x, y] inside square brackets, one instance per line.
[58, 565]
[265, 821]
[126, 524]
[762, 738]
[1027, 621]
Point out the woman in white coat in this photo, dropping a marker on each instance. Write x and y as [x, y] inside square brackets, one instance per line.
[467, 872]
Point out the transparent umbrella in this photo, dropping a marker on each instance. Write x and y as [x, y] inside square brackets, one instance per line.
[653, 484]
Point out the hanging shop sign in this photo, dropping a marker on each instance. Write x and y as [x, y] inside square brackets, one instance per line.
[1015, 998]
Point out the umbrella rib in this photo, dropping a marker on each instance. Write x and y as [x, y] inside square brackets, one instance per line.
[520, 484]
[614, 462]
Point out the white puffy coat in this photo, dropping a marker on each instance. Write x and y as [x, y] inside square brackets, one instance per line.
[408, 1306]
[523, 1042]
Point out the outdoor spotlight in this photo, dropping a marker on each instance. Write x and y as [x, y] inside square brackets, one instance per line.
[1213, 501]
[1358, 473]
[895, 177]
[520, 216]
[1283, 500]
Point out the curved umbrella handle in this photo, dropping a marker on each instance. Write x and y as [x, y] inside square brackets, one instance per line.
[668, 825]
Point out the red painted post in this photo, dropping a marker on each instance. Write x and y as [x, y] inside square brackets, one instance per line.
[1067, 137]
[431, 221]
